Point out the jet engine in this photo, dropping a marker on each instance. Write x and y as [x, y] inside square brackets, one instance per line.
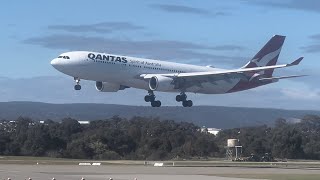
[161, 83]
[108, 87]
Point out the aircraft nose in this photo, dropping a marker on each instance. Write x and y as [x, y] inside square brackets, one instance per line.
[56, 64]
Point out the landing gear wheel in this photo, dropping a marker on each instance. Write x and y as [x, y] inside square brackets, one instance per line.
[77, 87]
[149, 98]
[158, 103]
[155, 103]
[184, 103]
[181, 97]
[187, 103]
[190, 103]
[178, 98]
[152, 98]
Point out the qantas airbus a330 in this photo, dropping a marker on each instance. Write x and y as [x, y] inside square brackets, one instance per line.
[115, 72]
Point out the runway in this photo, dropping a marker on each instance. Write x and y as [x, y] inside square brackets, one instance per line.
[126, 172]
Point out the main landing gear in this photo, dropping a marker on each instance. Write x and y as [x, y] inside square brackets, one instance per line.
[179, 98]
[183, 98]
[77, 86]
[152, 98]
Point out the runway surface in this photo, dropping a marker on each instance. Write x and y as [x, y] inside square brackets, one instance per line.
[124, 172]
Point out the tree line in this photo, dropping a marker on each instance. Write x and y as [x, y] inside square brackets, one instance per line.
[115, 138]
[285, 140]
[153, 139]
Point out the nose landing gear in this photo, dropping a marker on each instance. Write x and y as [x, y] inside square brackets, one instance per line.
[151, 98]
[77, 87]
[183, 98]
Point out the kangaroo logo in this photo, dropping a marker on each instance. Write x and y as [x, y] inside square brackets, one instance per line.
[259, 62]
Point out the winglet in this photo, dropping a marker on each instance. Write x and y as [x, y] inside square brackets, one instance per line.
[296, 62]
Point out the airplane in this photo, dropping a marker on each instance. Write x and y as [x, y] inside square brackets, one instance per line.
[113, 73]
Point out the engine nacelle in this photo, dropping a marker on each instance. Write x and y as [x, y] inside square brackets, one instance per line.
[107, 87]
[161, 83]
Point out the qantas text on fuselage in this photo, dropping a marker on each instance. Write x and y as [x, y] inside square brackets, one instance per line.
[115, 72]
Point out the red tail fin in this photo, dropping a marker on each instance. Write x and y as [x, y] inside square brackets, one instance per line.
[268, 55]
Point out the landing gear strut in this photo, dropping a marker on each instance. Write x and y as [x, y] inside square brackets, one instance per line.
[152, 98]
[77, 86]
[183, 98]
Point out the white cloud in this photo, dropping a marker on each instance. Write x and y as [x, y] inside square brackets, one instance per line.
[304, 93]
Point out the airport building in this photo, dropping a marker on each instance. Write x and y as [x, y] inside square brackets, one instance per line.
[80, 122]
[213, 131]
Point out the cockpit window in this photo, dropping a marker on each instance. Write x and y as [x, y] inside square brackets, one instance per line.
[64, 57]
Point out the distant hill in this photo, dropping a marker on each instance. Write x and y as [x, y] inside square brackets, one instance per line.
[210, 116]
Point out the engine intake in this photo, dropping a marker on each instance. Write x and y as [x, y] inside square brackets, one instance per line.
[161, 83]
[108, 87]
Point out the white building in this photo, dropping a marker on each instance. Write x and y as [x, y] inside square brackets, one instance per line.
[213, 131]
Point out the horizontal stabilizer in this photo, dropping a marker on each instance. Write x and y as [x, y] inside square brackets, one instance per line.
[281, 77]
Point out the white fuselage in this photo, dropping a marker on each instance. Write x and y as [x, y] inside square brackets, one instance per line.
[127, 71]
[115, 72]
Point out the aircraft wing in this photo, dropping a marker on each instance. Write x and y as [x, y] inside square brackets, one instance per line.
[237, 71]
[211, 76]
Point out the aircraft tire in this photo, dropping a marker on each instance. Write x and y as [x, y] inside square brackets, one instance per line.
[147, 98]
[77, 87]
[158, 103]
[178, 98]
[184, 103]
[187, 103]
[183, 97]
[155, 103]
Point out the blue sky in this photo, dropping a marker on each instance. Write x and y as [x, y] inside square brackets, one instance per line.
[220, 33]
